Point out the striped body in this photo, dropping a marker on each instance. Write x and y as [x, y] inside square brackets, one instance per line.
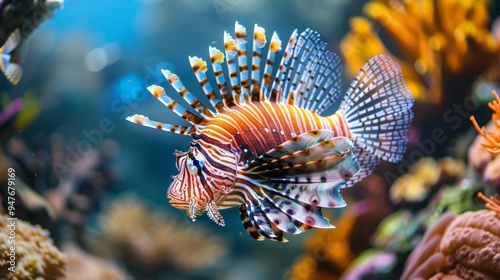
[263, 144]
[255, 128]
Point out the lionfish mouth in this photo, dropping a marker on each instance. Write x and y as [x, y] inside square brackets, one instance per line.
[191, 207]
[179, 204]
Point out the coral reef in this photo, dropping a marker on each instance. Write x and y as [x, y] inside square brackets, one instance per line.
[35, 255]
[147, 241]
[441, 45]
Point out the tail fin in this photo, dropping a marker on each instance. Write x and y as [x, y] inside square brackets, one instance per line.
[377, 108]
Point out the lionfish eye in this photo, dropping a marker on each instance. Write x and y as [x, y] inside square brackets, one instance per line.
[191, 166]
[194, 163]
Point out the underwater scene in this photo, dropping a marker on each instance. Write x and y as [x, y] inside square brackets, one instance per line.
[241, 140]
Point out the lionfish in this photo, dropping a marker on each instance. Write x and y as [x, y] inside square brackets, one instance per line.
[12, 71]
[264, 145]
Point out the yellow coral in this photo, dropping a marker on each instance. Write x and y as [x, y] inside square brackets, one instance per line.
[435, 40]
[35, 255]
[424, 175]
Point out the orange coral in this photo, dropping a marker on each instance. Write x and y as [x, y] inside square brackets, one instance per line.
[493, 139]
[436, 41]
[483, 154]
[492, 203]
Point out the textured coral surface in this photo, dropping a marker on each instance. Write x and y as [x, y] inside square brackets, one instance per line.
[472, 244]
[35, 255]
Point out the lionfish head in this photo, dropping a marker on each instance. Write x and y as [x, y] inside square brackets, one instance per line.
[202, 182]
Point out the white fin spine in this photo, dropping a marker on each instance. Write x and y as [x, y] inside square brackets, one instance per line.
[231, 51]
[199, 67]
[274, 47]
[259, 41]
[176, 83]
[292, 70]
[217, 57]
[145, 121]
[159, 93]
[282, 68]
[241, 41]
[297, 65]
[328, 84]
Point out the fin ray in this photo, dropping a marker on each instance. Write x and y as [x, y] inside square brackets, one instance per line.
[378, 108]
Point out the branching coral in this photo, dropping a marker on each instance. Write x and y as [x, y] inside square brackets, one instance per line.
[492, 203]
[441, 45]
[147, 241]
[483, 154]
[492, 143]
[57, 185]
[35, 255]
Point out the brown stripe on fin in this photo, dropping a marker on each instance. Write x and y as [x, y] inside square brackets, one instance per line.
[159, 93]
[241, 41]
[217, 57]
[176, 83]
[231, 50]
[274, 47]
[145, 121]
[199, 67]
[259, 41]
